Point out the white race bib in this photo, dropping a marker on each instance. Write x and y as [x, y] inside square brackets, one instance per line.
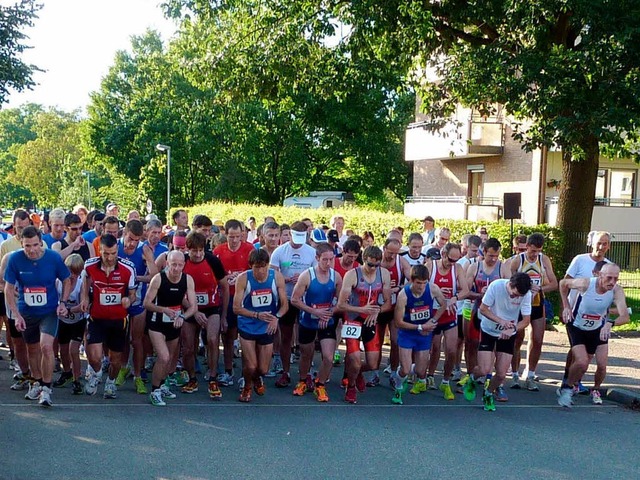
[110, 298]
[202, 298]
[166, 318]
[35, 296]
[419, 314]
[261, 298]
[351, 330]
[588, 322]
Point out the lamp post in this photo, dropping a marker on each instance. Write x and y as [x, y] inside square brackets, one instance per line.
[167, 149]
[88, 175]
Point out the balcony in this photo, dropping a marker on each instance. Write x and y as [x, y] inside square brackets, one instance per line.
[610, 214]
[465, 137]
[454, 207]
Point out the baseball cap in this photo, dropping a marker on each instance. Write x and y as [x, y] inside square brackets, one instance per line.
[98, 217]
[318, 235]
[112, 205]
[332, 236]
[299, 238]
[434, 253]
[218, 223]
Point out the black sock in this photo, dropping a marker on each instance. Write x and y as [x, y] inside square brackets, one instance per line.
[46, 384]
[155, 387]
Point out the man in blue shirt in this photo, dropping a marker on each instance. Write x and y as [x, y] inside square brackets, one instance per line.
[37, 307]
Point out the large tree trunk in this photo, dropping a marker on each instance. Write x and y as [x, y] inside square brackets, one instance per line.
[578, 188]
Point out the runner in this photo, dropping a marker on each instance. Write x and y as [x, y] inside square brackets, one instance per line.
[291, 259]
[589, 327]
[71, 328]
[163, 303]
[212, 297]
[538, 266]
[37, 306]
[504, 311]
[445, 274]
[74, 242]
[415, 321]
[141, 256]
[399, 270]
[234, 256]
[351, 250]
[366, 291]
[56, 222]
[271, 234]
[108, 290]
[315, 295]
[414, 254]
[584, 266]
[260, 300]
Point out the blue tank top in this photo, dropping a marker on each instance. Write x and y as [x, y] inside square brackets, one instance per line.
[418, 310]
[141, 269]
[258, 297]
[318, 295]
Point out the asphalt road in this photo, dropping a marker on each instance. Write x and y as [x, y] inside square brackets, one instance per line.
[281, 436]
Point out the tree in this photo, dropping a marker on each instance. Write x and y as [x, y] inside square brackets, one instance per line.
[566, 70]
[14, 73]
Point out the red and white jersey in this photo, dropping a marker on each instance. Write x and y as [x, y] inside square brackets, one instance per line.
[206, 275]
[107, 291]
[448, 286]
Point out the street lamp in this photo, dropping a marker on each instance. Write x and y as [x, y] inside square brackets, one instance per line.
[167, 149]
[88, 175]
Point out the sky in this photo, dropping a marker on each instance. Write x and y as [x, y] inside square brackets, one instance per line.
[75, 42]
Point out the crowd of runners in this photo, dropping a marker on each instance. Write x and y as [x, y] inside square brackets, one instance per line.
[144, 302]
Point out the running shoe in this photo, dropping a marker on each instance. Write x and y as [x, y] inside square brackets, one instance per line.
[531, 385]
[63, 380]
[361, 385]
[122, 375]
[13, 364]
[311, 385]
[141, 388]
[21, 383]
[388, 371]
[166, 392]
[88, 372]
[397, 397]
[148, 363]
[34, 391]
[489, 403]
[276, 367]
[44, 398]
[374, 382]
[564, 397]
[418, 387]
[321, 393]
[156, 398]
[300, 389]
[241, 383]
[456, 375]
[77, 388]
[596, 399]
[351, 395]
[236, 348]
[225, 379]
[91, 387]
[344, 383]
[463, 381]
[445, 388]
[431, 383]
[190, 387]
[501, 395]
[105, 364]
[245, 395]
[337, 359]
[582, 390]
[470, 391]
[58, 366]
[182, 378]
[284, 381]
[110, 389]
[515, 382]
[214, 390]
[144, 376]
[258, 386]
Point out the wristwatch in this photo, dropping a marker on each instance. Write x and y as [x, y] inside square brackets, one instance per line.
[420, 327]
[278, 315]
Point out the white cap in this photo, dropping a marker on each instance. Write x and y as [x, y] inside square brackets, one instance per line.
[299, 238]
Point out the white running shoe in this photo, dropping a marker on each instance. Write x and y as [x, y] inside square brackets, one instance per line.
[44, 398]
[34, 391]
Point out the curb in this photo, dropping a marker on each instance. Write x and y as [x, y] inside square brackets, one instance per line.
[623, 396]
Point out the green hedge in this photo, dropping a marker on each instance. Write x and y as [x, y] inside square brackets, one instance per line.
[380, 223]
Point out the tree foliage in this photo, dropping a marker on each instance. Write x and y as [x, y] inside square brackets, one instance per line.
[14, 73]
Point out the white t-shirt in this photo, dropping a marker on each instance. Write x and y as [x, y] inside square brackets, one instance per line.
[293, 260]
[581, 267]
[501, 304]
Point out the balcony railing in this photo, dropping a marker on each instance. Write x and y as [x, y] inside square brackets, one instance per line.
[453, 199]
[605, 202]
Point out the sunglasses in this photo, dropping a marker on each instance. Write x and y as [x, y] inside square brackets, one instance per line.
[372, 265]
